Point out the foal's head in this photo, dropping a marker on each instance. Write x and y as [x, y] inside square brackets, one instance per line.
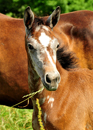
[42, 45]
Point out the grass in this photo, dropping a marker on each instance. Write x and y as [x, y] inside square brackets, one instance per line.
[18, 119]
[15, 119]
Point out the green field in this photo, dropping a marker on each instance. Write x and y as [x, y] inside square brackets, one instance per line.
[15, 119]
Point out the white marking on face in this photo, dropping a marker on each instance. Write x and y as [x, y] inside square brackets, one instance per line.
[54, 46]
[54, 57]
[37, 29]
[44, 27]
[50, 59]
[44, 39]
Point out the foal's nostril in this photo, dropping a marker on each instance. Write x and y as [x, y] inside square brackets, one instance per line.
[48, 79]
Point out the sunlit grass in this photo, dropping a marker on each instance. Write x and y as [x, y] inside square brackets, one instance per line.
[15, 119]
[19, 119]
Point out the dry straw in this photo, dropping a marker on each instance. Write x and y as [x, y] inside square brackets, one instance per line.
[39, 115]
[38, 106]
[29, 96]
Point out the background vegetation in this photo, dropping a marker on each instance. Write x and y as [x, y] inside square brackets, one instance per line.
[15, 8]
[18, 119]
[15, 119]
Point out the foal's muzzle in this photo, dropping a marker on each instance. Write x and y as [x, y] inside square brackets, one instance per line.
[51, 80]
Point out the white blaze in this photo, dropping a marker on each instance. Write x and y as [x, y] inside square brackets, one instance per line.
[50, 59]
[44, 39]
[44, 27]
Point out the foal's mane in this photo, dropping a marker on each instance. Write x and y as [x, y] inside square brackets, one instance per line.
[65, 58]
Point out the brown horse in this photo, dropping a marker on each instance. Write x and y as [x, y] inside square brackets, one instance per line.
[73, 30]
[70, 107]
[13, 61]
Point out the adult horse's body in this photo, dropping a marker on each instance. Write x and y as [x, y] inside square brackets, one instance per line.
[76, 31]
[70, 107]
[13, 61]
[73, 29]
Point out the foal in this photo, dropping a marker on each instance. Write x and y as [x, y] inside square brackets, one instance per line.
[70, 107]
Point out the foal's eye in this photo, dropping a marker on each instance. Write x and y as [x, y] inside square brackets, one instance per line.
[30, 47]
[58, 46]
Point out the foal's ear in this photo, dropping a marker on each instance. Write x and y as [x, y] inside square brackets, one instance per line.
[28, 17]
[54, 18]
